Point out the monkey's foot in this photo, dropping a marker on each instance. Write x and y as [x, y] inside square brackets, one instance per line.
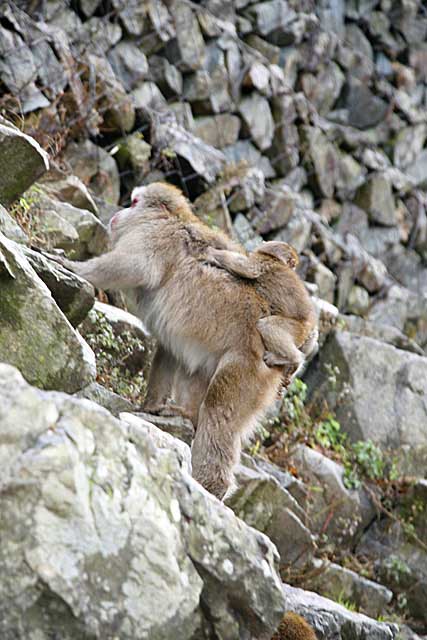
[167, 410]
[271, 360]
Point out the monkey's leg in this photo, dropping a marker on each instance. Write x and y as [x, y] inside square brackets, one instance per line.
[236, 263]
[239, 391]
[281, 351]
[160, 381]
[189, 391]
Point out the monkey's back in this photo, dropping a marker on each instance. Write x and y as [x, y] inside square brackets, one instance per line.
[285, 292]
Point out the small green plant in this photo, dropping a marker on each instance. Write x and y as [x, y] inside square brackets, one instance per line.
[293, 403]
[370, 459]
[329, 435]
[348, 604]
[115, 358]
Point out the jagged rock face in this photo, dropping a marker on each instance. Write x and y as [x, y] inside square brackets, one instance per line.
[22, 162]
[332, 620]
[34, 334]
[381, 395]
[105, 534]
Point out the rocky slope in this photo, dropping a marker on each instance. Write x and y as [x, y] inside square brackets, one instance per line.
[297, 121]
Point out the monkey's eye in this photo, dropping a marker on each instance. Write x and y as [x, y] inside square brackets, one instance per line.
[134, 202]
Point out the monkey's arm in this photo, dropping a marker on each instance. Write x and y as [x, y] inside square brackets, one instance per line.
[112, 270]
[277, 335]
[236, 263]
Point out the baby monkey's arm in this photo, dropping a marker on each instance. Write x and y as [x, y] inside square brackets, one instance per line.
[236, 263]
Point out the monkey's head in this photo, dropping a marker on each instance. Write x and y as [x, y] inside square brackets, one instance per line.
[158, 197]
[280, 251]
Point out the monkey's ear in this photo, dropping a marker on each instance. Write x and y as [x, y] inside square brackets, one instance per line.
[280, 250]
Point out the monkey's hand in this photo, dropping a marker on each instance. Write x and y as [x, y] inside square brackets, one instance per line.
[59, 258]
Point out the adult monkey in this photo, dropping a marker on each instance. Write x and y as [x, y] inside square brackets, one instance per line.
[202, 316]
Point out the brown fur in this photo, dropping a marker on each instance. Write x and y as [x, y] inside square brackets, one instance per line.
[294, 627]
[203, 317]
[289, 331]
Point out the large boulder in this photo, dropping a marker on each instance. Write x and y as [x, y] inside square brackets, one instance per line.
[333, 621]
[22, 161]
[380, 394]
[105, 534]
[35, 335]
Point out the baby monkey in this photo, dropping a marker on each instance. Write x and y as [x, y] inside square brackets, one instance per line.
[290, 333]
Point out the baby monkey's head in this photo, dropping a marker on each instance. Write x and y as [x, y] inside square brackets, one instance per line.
[281, 251]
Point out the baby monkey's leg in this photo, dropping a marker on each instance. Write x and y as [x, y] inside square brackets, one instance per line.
[236, 263]
[281, 351]
[311, 345]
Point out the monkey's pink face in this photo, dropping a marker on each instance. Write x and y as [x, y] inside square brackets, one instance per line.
[125, 218]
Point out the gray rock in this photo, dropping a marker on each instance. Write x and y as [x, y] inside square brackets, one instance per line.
[98, 35]
[324, 279]
[129, 64]
[297, 231]
[279, 205]
[10, 228]
[106, 518]
[358, 301]
[218, 131]
[245, 233]
[408, 268]
[364, 108]
[256, 114]
[183, 114]
[72, 190]
[246, 151]
[324, 88]
[333, 621]
[73, 295]
[380, 395]
[408, 145]
[375, 240]
[325, 159]
[118, 110]
[404, 310]
[249, 191]
[258, 78]
[96, 168]
[264, 504]
[111, 401]
[417, 171]
[188, 50]
[266, 49]
[381, 332]
[134, 155]
[167, 77]
[400, 563]
[204, 159]
[338, 583]
[284, 152]
[22, 161]
[132, 15]
[176, 426]
[79, 232]
[35, 336]
[341, 514]
[147, 98]
[376, 198]
[120, 321]
[18, 71]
